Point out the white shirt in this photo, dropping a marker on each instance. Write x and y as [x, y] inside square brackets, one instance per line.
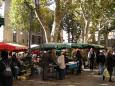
[61, 62]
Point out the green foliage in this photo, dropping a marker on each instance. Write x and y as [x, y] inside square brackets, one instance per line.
[96, 11]
[19, 14]
[71, 26]
[110, 17]
[1, 1]
[73, 13]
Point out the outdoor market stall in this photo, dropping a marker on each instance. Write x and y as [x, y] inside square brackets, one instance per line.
[12, 47]
[71, 65]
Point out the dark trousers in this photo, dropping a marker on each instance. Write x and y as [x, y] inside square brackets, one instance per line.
[6, 82]
[110, 70]
[45, 73]
[61, 74]
[91, 64]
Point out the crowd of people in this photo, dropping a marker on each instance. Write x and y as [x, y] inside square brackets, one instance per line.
[10, 65]
[60, 60]
[105, 60]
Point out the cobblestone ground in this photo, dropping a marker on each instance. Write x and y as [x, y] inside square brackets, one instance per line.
[86, 78]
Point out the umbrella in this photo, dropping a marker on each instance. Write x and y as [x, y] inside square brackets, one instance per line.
[96, 46]
[57, 46]
[36, 52]
[80, 45]
[12, 47]
[47, 46]
[63, 46]
[35, 46]
[83, 46]
[5, 46]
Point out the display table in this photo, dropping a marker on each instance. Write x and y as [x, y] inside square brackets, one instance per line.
[71, 67]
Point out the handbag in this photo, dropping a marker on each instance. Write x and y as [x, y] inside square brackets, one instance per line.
[106, 73]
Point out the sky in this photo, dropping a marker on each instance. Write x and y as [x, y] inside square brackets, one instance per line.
[52, 6]
[2, 10]
[2, 28]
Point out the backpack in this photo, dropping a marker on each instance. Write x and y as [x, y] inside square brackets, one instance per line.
[7, 71]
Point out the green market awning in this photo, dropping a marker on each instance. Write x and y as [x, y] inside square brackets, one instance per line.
[80, 45]
[47, 46]
[83, 46]
[59, 46]
[97, 46]
[63, 46]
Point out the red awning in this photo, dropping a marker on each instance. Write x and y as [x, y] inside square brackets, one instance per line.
[36, 52]
[12, 47]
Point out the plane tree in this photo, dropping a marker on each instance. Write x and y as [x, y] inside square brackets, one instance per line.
[23, 13]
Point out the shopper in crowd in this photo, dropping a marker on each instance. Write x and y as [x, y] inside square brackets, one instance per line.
[109, 64]
[101, 62]
[6, 70]
[16, 65]
[91, 58]
[45, 64]
[79, 61]
[62, 65]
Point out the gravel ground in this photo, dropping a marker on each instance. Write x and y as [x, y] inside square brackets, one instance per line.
[86, 78]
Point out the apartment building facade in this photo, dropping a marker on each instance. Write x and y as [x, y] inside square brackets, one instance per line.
[17, 36]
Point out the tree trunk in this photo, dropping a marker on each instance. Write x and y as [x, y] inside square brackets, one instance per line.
[42, 23]
[82, 35]
[68, 36]
[56, 24]
[106, 40]
[98, 27]
[93, 37]
[86, 31]
[72, 40]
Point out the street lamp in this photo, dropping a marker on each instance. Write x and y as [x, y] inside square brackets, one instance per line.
[21, 33]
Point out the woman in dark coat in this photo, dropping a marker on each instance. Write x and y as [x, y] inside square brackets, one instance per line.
[5, 63]
[110, 64]
[79, 61]
[101, 62]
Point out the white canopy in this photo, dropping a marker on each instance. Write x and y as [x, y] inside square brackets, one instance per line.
[34, 45]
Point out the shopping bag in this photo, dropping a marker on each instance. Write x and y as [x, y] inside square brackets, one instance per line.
[106, 73]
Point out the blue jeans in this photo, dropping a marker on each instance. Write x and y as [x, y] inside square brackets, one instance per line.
[101, 68]
[61, 73]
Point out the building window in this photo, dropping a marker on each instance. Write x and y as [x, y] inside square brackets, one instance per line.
[33, 39]
[22, 40]
[39, 39]
[14, 36]
[36, 39]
